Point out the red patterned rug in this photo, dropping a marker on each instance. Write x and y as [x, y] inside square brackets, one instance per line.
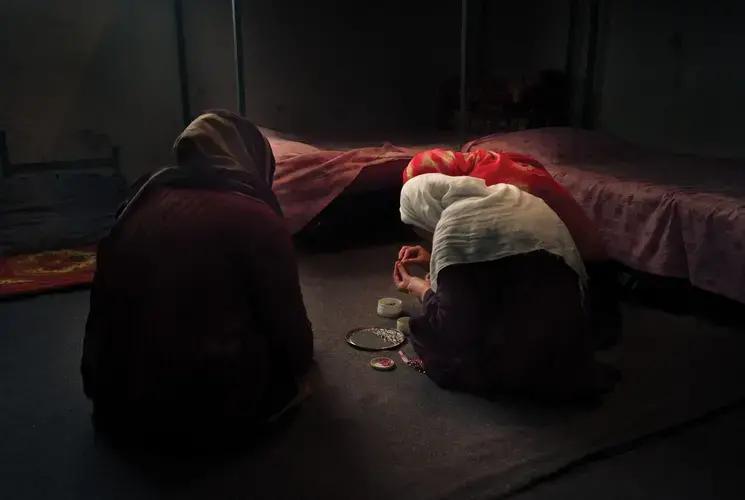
[46, 271]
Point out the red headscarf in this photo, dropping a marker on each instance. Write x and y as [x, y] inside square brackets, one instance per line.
[519, 170]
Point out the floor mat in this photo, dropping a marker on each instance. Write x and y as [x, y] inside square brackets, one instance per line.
[369, 434]
[46, 271]
[363, 434]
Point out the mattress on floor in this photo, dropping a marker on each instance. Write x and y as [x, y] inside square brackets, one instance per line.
[667, 214]
[327, 189]
[51, 210]
[283, 143]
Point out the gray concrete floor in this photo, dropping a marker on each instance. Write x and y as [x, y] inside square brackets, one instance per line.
[47, 446]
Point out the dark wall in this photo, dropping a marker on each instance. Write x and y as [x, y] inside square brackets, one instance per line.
[337, 66]
[672, 75]
[523, 37]
[79, 76]
[82, 75]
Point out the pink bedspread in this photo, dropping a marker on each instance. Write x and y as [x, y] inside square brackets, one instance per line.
[667, 214]
[307, 178]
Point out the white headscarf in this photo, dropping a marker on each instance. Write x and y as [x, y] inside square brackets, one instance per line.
[472, 222]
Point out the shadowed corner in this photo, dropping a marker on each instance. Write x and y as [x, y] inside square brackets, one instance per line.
[293, 444]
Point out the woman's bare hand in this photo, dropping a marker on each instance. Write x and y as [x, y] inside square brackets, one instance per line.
[414, 255]
[401, 277]
[405, 282]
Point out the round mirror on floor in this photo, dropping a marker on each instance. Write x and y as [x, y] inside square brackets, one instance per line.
[373, 338]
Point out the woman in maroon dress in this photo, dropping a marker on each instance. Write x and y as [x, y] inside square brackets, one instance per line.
[503, 308]
[197, 326]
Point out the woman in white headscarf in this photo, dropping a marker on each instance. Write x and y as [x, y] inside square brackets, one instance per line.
[503, 306]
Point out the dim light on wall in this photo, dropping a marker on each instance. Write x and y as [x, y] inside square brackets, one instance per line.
[236, 7]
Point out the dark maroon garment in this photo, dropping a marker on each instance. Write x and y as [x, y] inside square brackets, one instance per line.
[514, 325]
[196, 317]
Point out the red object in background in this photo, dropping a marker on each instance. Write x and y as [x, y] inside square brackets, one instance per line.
[46, 271]
[494, 167]
[522, 171]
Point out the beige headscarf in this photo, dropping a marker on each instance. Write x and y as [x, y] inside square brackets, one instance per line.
[473, 222]
[219, 150]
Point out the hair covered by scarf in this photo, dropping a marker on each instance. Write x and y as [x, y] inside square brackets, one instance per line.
[226, 140]
[220, 151]
[472, 222]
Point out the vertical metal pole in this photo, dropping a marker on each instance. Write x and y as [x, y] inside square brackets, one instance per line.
[588, 104]
[571, 38]
[463, 122]
[240, 77]
[569, 66]
[183, 72]
[4, 155]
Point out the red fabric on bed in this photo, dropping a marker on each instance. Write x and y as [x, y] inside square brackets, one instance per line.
[493, 167]
[523, 171]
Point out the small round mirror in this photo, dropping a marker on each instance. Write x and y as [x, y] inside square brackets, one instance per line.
[372, 338]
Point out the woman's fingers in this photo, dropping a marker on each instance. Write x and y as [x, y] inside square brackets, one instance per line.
[422, 262]
[415, 255]
[403, 271]
[397, 278]
[408, 252]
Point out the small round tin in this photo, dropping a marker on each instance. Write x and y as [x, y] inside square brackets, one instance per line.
[382, 364]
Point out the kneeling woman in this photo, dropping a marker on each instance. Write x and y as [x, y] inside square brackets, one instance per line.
[197, 326]
[525, 172]
[503, 306]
